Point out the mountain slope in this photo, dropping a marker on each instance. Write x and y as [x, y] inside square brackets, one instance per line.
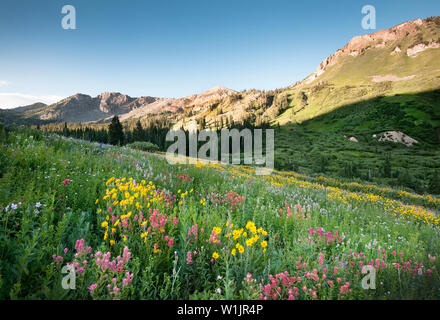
[21, 114]
[404, 59]
[84, 108]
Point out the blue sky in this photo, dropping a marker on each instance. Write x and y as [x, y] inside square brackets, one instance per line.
[176, 48]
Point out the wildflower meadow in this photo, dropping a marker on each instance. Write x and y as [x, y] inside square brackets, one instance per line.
[128, 225]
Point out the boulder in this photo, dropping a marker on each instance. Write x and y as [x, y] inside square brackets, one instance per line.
[353, 139]
[397, 137]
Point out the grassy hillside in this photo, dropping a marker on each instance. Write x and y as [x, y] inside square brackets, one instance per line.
[322, 145]
[348, 83]
[199, 231]
[380, 87]
[375, 70]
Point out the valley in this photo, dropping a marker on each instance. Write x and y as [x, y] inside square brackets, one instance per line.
[85, 186]
[386, 81]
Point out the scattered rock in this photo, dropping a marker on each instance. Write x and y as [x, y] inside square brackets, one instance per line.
[396, 51]
[353, 139]
[391, 77]
[396, 137]
[414, 51]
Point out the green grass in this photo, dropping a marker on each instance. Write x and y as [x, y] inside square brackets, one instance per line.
[321, 146]
[33, 168]
[340, 187]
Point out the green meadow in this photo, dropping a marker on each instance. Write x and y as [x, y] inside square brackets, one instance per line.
[129, 225]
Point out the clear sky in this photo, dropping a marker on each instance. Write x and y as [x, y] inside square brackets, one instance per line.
[176, 48]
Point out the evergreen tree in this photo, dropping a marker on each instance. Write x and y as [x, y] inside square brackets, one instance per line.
[350, 170]
[231, 122]
[115, 132]
[202, 124]
[387, 167]
[434, 183]
[405, 179]
[138, 134]
[65, 129]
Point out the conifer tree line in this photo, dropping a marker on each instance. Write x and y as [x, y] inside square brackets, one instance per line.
[115, 133]
[153, 130]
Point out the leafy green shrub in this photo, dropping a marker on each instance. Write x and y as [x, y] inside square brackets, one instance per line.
[143, 146]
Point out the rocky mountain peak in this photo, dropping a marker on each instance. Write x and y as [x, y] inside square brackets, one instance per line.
[219, 90]
[112, 102]
[378, 39]
[397, 32]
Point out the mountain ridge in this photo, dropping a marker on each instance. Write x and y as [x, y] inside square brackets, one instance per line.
[404, 58]
[359, 43]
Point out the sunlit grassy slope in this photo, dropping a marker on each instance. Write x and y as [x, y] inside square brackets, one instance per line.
[351, 78]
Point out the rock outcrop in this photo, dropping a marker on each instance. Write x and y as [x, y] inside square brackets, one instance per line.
[353, 139]
[396, 137]
[414, 51]
[83, 108]
[378, 39]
